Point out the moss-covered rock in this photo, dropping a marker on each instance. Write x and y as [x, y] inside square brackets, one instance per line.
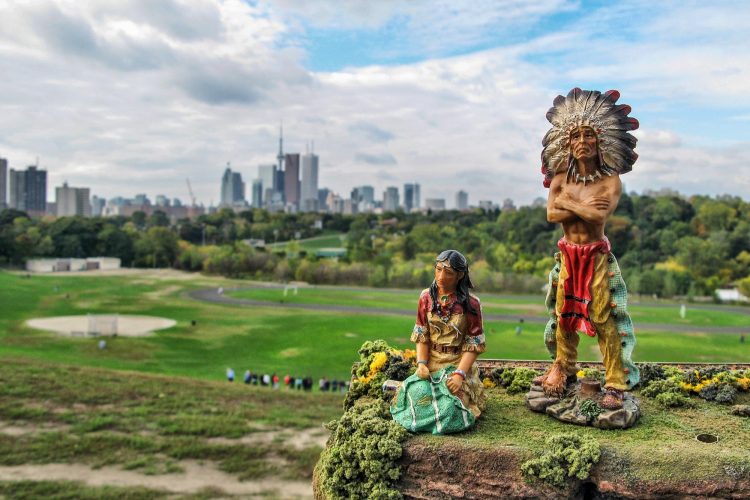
[568, 455]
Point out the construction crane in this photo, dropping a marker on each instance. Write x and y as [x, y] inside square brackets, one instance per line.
[190, 190]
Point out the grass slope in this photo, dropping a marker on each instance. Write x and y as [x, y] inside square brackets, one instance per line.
[149, 423]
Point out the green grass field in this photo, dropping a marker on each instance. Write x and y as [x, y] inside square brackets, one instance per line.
[154, 405]
[274, 339]
[330, 240]
[491, 304]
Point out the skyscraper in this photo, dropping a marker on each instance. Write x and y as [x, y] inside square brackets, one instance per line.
[462, 200]
[257, 199]
[267, 175]
[309, 186]
[232, 188]
[97, 206]
[28, 190]
[291, 179]
[323, 199]
[3, 183]
[72, 201]
[411, 197]
[390, 199]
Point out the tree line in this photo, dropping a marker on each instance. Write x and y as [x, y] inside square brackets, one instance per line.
[666, 245]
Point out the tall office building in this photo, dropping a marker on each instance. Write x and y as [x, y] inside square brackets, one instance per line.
[408, 197]
[411, 197]
[3, 183]
[162, 200]
[141, 199]
[257, 198]
[390, 199]
[28, 190]
[309, 183]
[364, 198]
[462, 200]
[291, 179]
[267, 175]
[232, 188]
[72, 201]
[323, 199]
[97, 206]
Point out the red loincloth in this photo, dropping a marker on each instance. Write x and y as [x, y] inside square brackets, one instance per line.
[579, 262]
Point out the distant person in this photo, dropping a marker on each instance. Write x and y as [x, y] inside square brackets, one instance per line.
[683, 311]
[230, 375]
[193, 322]
[266, 380]
[102, 344]
[220, 291]
[248, 377]
[519, 327]
[322, 384]
[287, 381]
[742, 338]
[298, 383]
[334, 385]
[307, 383]
[275, 381]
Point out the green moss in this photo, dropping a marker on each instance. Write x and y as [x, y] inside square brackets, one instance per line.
[673, 400]
[361, 458]
[567, 456]
[515, 380]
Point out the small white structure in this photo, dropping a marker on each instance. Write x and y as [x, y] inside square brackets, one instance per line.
[730, 295]
[63, 265]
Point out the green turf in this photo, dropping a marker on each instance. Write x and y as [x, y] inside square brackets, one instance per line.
[406, 300]
[334, 240]
[270, 339]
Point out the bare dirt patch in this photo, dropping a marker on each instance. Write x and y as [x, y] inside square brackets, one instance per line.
[127, 325]
[196, 476]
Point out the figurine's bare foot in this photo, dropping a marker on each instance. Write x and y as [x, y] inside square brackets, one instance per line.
[612, 400]
[555, 381]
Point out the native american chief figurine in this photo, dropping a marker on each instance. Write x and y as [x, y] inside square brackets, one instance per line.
[585, 152]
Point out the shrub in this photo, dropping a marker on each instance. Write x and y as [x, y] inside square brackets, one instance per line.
[673, 400]
[664, 386]
[567, 455]
[726, 394]
[378, 362]
[515, 380]
[651, 371]
[590, 409]
[361, 459]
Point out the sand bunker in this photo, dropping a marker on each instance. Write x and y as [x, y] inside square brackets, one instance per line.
[94, 325]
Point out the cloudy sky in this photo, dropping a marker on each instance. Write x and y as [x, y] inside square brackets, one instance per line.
[132, 96]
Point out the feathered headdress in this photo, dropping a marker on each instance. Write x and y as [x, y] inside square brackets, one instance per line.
[599, 111]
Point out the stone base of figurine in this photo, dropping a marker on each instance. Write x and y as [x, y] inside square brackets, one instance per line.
[573, 408]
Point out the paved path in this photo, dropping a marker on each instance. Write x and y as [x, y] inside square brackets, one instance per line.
[211, 295]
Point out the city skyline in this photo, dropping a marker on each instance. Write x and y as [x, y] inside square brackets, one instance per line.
[108, 94]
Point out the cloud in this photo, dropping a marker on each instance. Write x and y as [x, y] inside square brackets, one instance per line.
[371, 132]
[121, 99]
[376, 159]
